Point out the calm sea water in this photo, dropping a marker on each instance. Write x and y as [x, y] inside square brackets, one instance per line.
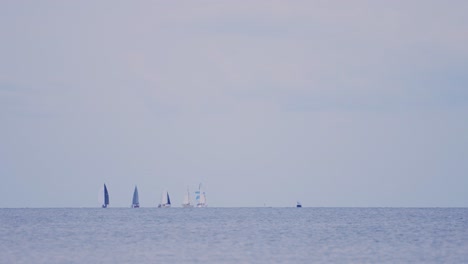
[234, 235]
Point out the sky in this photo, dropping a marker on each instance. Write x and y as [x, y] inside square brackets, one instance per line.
[331, 103]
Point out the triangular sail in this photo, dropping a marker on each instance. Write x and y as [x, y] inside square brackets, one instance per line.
[200, 197]
[135, 200]
[203, 198]
[165, 200]
[197, 196]
[187, 197]
[187, 203]
[106, 197]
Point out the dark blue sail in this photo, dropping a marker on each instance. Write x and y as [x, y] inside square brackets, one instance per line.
[168, 200]
[106, 196]
[135, 201]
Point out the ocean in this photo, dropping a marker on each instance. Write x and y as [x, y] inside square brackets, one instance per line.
[234, 235]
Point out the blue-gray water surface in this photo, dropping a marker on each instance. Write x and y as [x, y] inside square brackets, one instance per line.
[234, 235]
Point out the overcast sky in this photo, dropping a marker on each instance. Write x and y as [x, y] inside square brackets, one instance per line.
[332, 103]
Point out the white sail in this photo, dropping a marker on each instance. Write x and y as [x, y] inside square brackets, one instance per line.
[187, 202]
[101, 195]
[165, 200]
[200, 197]
[197, 196]
[203, 198]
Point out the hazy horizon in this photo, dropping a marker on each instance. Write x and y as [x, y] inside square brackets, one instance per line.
[331, 103]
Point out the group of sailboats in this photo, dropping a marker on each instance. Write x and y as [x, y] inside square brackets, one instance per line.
[200, 198]
[165, 198]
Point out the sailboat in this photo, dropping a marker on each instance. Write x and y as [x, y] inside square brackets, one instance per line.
[135, 200]
[165, 200]
[298, 205]
[104, 197]
[186, 203]
[200, 197]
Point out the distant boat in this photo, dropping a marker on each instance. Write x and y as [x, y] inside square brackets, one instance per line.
[104, 196]
[187, 203]
[165, 200]
[298, 205]
[200, 197]
[135, 200]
